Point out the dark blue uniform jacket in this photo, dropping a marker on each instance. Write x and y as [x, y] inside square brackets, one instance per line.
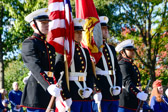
[38, 56]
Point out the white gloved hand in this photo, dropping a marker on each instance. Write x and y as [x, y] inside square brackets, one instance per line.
[97, 97]
[116, 90]
[67, 103]
[25, 79]
[87, 92]
[54, 90]
[142, 96]
[166, 92]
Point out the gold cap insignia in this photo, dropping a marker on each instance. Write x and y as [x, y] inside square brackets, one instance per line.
[105, 18]
[80, 20]
[46, 10]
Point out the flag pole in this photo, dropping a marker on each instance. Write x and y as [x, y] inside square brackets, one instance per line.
[94, 71]
[51, 104]
[66, 73]
[66, 69]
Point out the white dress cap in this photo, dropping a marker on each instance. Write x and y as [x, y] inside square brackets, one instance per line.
[104, 19]
[124, 44]
[79, 22]
[166, 92]
[39, 12]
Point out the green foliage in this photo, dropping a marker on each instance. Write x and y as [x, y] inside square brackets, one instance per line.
[15, 71]
[139, 14]
[164, 77]
[16, 29]
[149, 21]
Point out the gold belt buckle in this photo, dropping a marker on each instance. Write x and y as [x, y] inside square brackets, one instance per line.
[110, 72]
[81, 78]
[50, 74]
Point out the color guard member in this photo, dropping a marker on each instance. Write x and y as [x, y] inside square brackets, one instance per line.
[81, 77]
[39, 57]
[131, 85]
[108, 73]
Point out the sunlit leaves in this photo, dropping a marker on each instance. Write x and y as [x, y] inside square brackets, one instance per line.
[15, 71]
[150, 18]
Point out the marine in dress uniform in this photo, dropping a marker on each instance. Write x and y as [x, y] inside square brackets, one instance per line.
[81, 77]
[108, 74]
[158, 102]
[39, 57]
[131, 93]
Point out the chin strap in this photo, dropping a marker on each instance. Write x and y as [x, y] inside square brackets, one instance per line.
[37, 27]
[126, 54]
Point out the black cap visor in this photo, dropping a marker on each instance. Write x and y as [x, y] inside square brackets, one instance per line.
[104, 24]
[130, 47]
[78, 28]
[42, 18]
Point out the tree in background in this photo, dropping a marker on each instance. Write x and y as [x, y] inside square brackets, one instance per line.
[144, 21]
[15, 71]
[13, 29]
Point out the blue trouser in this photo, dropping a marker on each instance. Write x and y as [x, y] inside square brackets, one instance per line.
[21, 110]
[106, 106]
[120, 109]
[81, 106]
[35, 110]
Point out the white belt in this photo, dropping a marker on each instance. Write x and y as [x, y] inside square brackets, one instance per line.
[135, 86]
[101, 72]
[76, 78]
[77, 74]
[49, 73]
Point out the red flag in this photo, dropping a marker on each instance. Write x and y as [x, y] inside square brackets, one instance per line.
[85, 9]
[92, 39]
[61, 28]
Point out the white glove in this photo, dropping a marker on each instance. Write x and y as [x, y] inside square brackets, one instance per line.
[87, 92]
[116, 90]
[25, 79]
[67, 103]
[30, 73]
[142, 96]
[97, 97]
[54, 90]
[166, 92]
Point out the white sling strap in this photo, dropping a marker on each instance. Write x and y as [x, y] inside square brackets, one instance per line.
[106, 69]
[113, 64]
[73, 70]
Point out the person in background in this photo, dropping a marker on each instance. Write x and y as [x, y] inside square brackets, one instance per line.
[158, 102]
[15, 98]
[5, 104]
[132, 93]
[2, 97]
[108, 73]
[3, 94]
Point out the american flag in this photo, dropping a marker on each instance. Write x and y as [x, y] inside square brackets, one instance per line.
[61, 28]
